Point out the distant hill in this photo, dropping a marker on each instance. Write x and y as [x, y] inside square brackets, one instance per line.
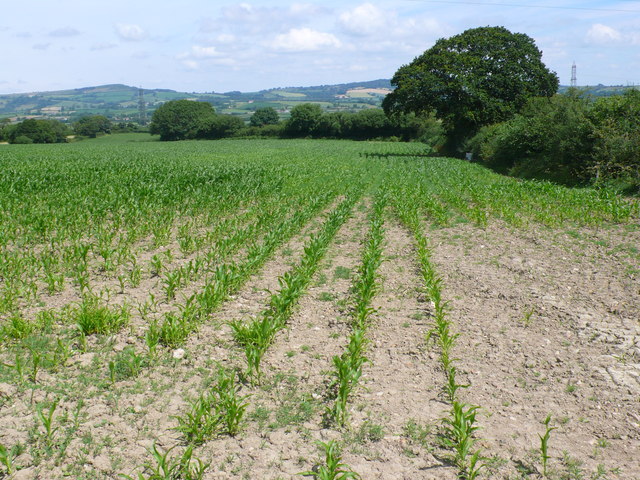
[599, 90]
[120, 102]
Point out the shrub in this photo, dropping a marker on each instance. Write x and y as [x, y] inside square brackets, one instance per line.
[616, 152]
[550, 139]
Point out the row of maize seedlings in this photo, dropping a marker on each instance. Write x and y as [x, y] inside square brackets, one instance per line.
[226, 279]
[256, 336]
[348, 366]
[220, 409]
[460, 425]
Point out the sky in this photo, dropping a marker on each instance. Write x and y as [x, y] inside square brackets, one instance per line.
[207, 45]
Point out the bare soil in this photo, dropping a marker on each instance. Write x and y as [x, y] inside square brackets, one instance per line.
[549, 324]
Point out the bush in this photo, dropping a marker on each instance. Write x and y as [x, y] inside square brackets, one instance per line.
[264, 116]
[616, 152]
[91, 125]
[304, 120]
[39, 131]
[550, 139]
[22, 140]
[220, 126]
[181, 119]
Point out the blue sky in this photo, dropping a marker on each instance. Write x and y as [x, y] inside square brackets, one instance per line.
[203, 46]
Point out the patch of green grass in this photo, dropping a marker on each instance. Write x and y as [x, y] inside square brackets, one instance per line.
[341, 272]
[367, 432]
[326, 297]
[417, 433]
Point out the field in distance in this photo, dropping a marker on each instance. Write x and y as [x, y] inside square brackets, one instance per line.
[215, 309]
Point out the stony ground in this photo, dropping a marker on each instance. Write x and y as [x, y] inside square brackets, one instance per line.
[549, 324]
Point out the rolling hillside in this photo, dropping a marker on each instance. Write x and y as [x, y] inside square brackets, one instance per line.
[120, 102]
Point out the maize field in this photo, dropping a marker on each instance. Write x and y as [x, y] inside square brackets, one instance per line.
[281, 309]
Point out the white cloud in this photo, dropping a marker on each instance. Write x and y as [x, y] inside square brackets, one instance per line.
[226, 38]
[41, 46]
[204, 52]
[304, 40]
[102, 46]
[365, 19]
[191, 64]
[64, 32]
[130, 32]
[199, 52]
[603, 34]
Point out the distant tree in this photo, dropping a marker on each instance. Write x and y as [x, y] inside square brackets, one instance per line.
[370, 123]
[220, 126]
[4, 128]
[479, 77]
[335, 125]
[305, 119]
[91, 125]
[616, 153]
[39, 131]
[264, 116]
[180, 119]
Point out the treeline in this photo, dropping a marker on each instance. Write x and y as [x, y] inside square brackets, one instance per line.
[185, 120]
[570, 139]
[53, 131]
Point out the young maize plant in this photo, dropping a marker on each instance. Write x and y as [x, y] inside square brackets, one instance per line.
[460, 425]
[333, 468]
[256, 337]
[217, 412]
[348, 366]
[227, 278]
[166, 467]
[544, 445]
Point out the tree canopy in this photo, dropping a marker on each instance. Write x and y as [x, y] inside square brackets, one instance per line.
[305, 119]
[91, 125]
[481, 76]
[180, 119]
[264, 116]
[39, 131]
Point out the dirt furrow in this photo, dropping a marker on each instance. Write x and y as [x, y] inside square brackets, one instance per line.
[285, 416]
[541, 336]
[399, 405]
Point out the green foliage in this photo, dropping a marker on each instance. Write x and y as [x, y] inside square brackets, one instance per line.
[568, 139]
[304, 120]
[5, 127]
[459, 428]
[333, 468]
[479, 77]
[616, 152]
[216, 412]
[6, 460]
[93, 317]
[47, 421]
[550, 139]
[167, 467]
[38, 131]
[127, 364]
[544, 444]
[180, 119]
[220, 126]
[264, 116]
[91, 125]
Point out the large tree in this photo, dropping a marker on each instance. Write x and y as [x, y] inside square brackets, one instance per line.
[481, 76]
[264, 116]
[91, 125]
[39, 131]
[304, 120]
[180, 119]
